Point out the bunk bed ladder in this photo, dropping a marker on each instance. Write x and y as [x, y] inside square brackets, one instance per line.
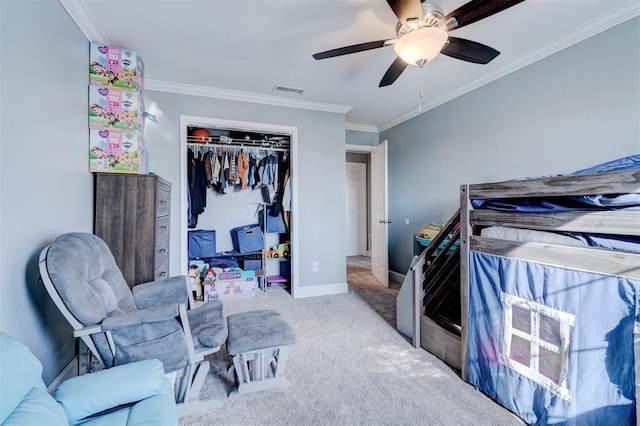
[438, 295]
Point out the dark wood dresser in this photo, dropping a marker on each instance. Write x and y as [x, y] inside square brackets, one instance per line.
[131, 214]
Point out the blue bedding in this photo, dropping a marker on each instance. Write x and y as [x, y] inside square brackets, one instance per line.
[561, 204]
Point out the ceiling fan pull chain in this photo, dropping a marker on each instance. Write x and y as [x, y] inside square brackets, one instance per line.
[421, 95]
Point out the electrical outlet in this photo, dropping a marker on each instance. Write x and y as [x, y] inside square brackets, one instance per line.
[315, 266]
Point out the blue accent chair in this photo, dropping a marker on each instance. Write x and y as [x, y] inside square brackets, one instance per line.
[133, 394]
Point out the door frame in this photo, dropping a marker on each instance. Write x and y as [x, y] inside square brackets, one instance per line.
[250, 126]
[364, 149]
[361, 169]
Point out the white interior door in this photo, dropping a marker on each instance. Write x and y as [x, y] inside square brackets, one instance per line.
[356, 209]
[379, 211]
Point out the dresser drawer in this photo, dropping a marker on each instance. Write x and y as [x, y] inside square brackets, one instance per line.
[162, 271]
[162, 228]
[163, 199]
[162, 252]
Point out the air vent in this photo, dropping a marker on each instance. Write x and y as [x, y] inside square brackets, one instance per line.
[287, 90]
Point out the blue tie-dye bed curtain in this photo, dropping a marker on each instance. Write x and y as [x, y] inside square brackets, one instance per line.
[553, 345]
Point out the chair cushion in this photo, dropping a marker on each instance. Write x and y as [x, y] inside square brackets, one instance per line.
[260, 329]
[89, 394]
[208, 324]
[23, 396]
[87, 277]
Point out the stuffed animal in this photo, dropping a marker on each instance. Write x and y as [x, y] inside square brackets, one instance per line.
[196, 281]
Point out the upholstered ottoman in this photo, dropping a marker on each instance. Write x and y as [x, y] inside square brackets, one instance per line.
[259, 343]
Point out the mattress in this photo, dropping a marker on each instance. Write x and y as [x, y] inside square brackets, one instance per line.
[584, 202]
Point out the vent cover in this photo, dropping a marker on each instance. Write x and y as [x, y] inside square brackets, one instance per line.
[287, 90]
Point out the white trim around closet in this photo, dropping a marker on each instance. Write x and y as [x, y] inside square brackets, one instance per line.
[188, 120]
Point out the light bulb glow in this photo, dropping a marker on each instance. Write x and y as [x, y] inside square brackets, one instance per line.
[421, 45]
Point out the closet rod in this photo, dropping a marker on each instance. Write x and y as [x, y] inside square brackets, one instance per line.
[227, 140]
[241, 146]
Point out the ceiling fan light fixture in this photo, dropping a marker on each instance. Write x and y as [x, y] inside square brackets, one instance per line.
[420, 46]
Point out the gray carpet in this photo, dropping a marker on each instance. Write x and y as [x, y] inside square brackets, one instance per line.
[349, 367]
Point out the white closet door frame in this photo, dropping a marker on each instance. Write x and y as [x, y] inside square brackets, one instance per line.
[249, 126]
[360, 171]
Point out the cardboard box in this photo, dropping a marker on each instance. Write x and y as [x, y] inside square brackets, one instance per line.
[236, 275]
[116, 152]
[231, 289]
[115, 66]
[113, 109]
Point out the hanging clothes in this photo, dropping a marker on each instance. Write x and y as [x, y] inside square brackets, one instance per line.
[252, 171]
[215, 179]
[268, 170]
[197, 187]
[208, 171]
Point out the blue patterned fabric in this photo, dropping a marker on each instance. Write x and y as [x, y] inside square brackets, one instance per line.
[599, 374]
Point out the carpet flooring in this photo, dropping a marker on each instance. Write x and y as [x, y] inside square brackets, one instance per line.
[349, 367]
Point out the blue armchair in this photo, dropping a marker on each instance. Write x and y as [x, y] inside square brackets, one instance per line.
[131, 394]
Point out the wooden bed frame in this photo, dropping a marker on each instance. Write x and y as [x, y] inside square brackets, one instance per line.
[613, 222]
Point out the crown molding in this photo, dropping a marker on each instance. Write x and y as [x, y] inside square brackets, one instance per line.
[609, 20]
[78, 11]
[359, 149]
[235, 95]
[361, 127]
[84, 20]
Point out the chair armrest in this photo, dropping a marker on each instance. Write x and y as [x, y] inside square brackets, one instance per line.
[161, 292]
[144, 316]
[89, 394]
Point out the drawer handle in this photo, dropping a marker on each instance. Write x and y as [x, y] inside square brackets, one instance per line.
[163, 227]
[163, 250]
[162, 274]
[164, 201]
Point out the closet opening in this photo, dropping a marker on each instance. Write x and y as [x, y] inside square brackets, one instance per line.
[237, 207]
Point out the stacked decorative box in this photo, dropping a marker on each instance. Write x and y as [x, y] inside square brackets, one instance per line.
[116, 106]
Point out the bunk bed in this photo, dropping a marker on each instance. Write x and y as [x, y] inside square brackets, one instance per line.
[550, 294]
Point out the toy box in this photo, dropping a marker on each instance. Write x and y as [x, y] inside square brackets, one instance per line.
[116, 152]
[111, 108]
[230, 289]
[115, 66]
[236, 275]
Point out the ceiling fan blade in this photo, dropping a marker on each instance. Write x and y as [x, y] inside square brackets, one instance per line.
[361, 47]
[406, 9]
[393, 72]
[470, 51]
[476, 10]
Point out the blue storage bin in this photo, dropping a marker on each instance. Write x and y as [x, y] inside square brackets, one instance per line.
[247, 238]
[202, 243]
[252, 265]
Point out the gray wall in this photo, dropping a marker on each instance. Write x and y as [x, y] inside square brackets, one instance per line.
[321, 166]
[46, 186]
[357, 137]
[574, 109]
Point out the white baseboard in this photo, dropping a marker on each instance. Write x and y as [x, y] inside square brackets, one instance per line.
[71, 370]
[396, 277]
[320, 290]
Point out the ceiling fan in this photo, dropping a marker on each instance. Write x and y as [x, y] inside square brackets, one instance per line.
[422, 33]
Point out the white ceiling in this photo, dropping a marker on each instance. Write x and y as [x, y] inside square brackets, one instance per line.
[241, 49]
